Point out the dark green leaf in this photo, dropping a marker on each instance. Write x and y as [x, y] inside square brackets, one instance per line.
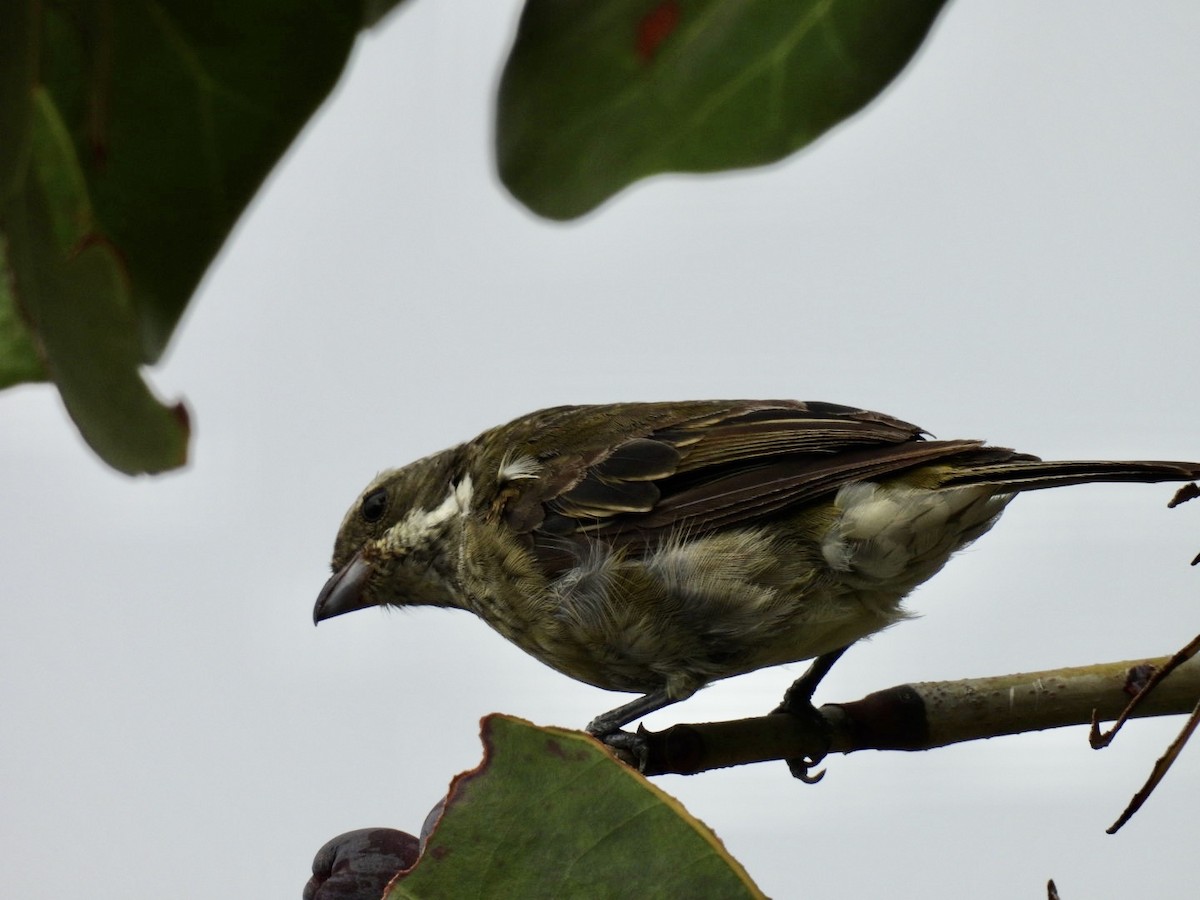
[19, 359]
[18, 72]
[600, 93]
[550, 814]
[375, 10]
[72, 286]
[182, 109]
[161, 119]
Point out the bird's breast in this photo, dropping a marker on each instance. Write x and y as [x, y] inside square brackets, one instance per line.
[690, 611]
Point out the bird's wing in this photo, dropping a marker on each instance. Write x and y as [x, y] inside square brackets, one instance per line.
[716, 466]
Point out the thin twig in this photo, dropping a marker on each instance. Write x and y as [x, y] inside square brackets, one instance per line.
[1099, 739]
[1160, 769]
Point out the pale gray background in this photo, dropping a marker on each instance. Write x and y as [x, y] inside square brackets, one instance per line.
[1005, 246]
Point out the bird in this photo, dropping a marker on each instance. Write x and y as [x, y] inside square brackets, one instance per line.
[653, 548]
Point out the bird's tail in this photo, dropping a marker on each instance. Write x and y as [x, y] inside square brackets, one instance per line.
[1024, 473]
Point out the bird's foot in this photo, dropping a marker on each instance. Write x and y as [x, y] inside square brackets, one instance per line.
[630, 747]
[797, 701]
[802, 767]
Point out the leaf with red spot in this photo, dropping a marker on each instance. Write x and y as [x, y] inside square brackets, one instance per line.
[655, 27]
[597, 94]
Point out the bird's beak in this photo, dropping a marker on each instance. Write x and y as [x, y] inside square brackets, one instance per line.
[345, 591]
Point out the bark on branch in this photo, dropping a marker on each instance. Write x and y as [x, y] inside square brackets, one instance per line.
[924, 715]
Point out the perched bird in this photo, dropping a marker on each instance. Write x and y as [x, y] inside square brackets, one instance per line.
[656, 547]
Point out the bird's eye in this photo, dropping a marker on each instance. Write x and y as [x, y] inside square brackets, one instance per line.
[374, 505]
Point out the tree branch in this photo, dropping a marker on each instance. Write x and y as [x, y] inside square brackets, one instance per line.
[925, 715]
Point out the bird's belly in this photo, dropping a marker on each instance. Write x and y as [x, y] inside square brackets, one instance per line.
[696, 611]
[683, 641]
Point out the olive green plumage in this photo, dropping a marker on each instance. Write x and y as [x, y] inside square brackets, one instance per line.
[655, 547]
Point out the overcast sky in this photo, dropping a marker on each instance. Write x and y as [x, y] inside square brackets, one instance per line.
[1005, 246]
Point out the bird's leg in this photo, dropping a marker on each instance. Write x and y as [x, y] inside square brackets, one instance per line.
[607, 726]
[799, 696]
[797, 701]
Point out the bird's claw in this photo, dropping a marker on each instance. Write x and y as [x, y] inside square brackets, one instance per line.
[798, 703]
[629, 747]
[801, 766]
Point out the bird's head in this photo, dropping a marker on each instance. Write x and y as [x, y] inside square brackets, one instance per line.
[398, 542]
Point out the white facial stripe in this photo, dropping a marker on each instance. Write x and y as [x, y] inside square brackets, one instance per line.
[420, 523]
[463, 491]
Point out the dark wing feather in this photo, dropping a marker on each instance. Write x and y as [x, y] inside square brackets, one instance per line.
[759, 492]
[636, 474]
[713, 466]
[814, 428]
[596, 497]
[640, 459]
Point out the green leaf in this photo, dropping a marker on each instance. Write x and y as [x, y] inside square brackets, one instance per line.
[549, 813]
[375, 10]
[72, 286]
[178, 109]
[19, 359]
[156, 122]
[597, 94]
[18, 72]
